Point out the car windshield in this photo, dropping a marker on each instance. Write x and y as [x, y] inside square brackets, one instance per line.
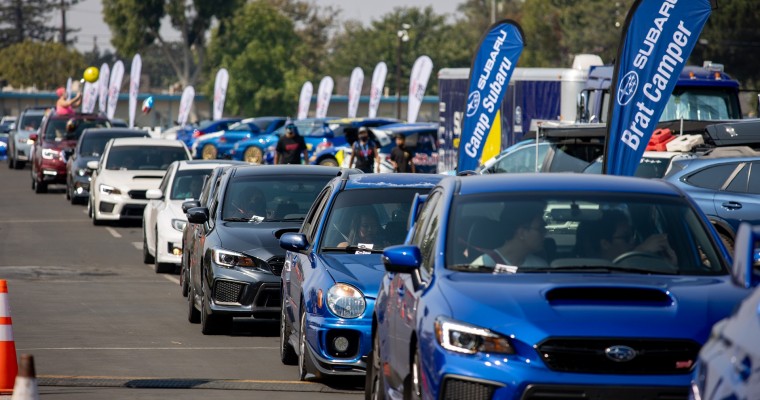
[143, 157]
[649, 167]
[93, 145]
[30, 122]
[371, 219]
[70, 129]
[268, 198]
[698, 105]
[583, 233]
[305, 127]
[188, 183]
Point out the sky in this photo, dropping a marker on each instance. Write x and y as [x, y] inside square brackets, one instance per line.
[87, 16]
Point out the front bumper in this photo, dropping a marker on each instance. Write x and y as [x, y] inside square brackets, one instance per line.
[52, 171]
[22, 149]
[244, 292]
[81, 186]
[117, 207]
[168, 240]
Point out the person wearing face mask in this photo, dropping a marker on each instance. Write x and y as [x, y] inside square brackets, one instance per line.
[290, 147]
[364, 152]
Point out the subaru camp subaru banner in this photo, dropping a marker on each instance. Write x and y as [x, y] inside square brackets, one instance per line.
[134, 88]
[117, 74]
[355, 91]
[418, 81]
[304, 100]
[658, 37]
[185, 103]
[89, 96]
[103, 80]
[220, 92]
[491, 70]
[323, 96]
[376, 90]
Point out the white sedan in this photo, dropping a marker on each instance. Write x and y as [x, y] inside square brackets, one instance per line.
[163, 219]
[128, 168]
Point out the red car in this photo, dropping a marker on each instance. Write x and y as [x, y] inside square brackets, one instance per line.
[54, 142]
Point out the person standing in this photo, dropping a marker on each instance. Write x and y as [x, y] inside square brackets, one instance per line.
[290, 147]
[64, 106]
[365, 153]
[401, 158]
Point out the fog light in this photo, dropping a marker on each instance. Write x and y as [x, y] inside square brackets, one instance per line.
[177, 251]
[341, 344]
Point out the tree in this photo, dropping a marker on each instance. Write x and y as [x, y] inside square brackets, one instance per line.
[44, 65]
[25, 20]
[260, 49]
[136, 24]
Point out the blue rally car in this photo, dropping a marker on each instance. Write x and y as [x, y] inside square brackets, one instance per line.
[220, 144]
[545, 286]
[332, 269]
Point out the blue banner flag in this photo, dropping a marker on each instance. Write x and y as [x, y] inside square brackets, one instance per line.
[658, 37]
[492, 67]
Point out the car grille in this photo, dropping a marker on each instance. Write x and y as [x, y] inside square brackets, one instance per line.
[569, 392]
[132, 210]
[227, 292]
[653, 356]
[268, 296]
[137, 194]
[276, 264]
[458, 389]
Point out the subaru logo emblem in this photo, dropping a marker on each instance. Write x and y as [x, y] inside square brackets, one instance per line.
[473, 103]
[627, 88]
[620, 353]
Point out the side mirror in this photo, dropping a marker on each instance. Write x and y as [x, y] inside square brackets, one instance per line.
[154, 194]
[93, 164]
[186, 205]
[197, 215]
[294, 242]
[33, 137]
[404, 259]
[746, 268]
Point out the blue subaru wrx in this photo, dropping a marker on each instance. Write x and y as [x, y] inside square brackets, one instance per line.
[546, 286]
[333, 269]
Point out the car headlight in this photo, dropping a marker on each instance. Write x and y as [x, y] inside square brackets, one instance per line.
[469, 339]
[232, 259]
[83, 172]
[50, 154]
[105, 189]
[179, 224]
[346, 301]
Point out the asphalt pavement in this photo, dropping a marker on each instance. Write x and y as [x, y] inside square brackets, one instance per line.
[101, 324]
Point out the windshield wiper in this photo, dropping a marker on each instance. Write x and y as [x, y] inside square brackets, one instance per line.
[286, 219]
[255, 219]
[352, 249]
[592, 269]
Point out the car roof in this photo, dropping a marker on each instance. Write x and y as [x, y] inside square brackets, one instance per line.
[561, 182]
[398, 180]
[205, 164]
[109, 131]
[284, 170]
[407, 128]
[146, 141]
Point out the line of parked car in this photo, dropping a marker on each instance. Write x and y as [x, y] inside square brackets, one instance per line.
[514, 286]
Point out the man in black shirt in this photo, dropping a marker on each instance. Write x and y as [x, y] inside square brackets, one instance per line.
[364, 152]
[401, 158]
[290, 147]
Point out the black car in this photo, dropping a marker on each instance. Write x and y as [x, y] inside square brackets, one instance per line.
[89, 147]
[236, 272]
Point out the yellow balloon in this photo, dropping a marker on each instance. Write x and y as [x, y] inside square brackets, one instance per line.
[91, 74]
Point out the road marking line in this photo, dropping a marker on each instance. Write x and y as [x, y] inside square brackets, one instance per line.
[43, 221]
[138, 245]
[113, 232]
[182, 379]
[171, 278]
[150, 348]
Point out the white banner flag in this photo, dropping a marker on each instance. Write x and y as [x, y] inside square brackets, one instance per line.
[355, 91]
[69, 95]
[304, 100]
[220, 92]
[117, 74]
[324, 93]
[378, 83]
[185, 104]
[89, 95]
[103, 80]
[134, 88]
[417, 84]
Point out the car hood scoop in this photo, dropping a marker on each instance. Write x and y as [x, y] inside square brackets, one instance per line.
[148, 177]
[579, 295]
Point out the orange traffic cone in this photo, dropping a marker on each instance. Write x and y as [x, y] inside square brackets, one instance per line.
[8, 366]
[26, 381]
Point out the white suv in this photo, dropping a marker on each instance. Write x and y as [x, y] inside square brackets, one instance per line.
[128, 168]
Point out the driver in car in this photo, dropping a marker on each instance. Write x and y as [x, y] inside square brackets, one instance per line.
[614, 236]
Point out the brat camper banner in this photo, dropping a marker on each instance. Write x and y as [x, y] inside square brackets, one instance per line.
[491, 70]
[658, 37]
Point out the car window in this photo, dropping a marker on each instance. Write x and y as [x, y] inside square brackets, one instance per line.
[739, 182]
[374, 218]
[311, 222]
[754, 179]
[431, 230]
[712, 177]
[574, 157]
[165, 181]
[267, 198]
[143, 157]
[578, 233]
[188, 183]
[30, 122]
[60, 129]
[93, 145]
[521, 160]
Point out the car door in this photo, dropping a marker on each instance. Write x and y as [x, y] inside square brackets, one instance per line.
[155, 206]
[707, 182]
[202, 234]
[739, 199]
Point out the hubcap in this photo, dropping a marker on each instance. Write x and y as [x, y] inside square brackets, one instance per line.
[253, 155]
[302, 348]
[209, 152]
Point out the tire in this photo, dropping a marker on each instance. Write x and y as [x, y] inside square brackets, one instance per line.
[328, 162]
[303, 369]
[412, 385]
[374, 385]
[213, 324]
[93, 214]
[193, 315]
[20, 164]
[184, 279]
[159, 267]
[147, 258]
[728, 242]
[40, 187]
[288, 354]
[253, 155]
[11, 162]
[209, 152]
